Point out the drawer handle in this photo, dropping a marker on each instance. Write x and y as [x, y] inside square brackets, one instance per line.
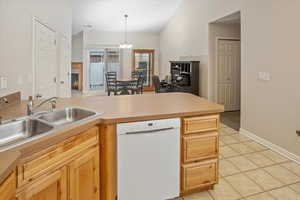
[149, 131]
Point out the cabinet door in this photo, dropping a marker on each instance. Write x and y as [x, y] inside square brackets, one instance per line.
[49, 187]
[84, 176]
[8, 188]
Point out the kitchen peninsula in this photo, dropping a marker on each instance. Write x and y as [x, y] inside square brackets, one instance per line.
[80, 160]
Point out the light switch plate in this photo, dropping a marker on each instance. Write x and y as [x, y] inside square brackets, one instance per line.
[3, 82]
[264, 76]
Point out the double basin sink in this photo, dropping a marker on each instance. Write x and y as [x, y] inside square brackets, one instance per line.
[28, 128]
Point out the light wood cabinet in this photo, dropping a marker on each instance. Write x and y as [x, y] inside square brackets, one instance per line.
[84, 176]
[66, 171]
[8, 188]
[52, 186]
[199, 175]
[200, 147]
[201, 124]
[199, 153]
[55, 156]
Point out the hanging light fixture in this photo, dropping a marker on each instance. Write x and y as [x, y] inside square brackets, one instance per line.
[125, 45]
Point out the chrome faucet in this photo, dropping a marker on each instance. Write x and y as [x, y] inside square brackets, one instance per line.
[31, 108]
[3, 100]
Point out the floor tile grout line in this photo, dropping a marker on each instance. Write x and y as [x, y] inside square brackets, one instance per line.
[267, 191]
[247, 160]
[242, 196]
[255, 181]
[289, 169]
[272, 175]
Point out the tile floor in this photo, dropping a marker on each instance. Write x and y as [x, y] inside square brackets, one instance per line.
[250, 171]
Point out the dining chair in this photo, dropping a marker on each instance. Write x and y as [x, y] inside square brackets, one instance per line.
[139, 88]
[135, 74]
[111, 82]
[136, 87]
[156, 83]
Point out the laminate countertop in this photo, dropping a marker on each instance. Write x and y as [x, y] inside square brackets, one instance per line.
[115, 109]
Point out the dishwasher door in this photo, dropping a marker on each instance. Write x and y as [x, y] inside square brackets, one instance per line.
[149, 160]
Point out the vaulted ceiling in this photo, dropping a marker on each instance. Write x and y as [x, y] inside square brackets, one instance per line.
[108, 15]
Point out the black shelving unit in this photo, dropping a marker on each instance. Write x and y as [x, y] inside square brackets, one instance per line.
[186, 75]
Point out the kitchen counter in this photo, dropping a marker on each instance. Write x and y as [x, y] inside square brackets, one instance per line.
[117, 109]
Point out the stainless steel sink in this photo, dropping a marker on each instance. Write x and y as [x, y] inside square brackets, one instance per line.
[21, 130]
[66, 116]
[14, 133]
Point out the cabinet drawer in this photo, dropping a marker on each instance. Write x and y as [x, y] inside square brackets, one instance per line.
[56, 155]
[200, 147]
[201, 124]
[198, 175]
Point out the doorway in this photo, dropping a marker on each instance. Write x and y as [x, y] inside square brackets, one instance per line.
[143, 61]
[102, 61]
[225, 67]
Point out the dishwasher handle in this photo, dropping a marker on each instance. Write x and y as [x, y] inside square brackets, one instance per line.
[149, 131]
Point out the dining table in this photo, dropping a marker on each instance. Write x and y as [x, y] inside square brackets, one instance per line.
[125, 84]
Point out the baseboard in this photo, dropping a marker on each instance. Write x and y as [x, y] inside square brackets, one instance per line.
[271, 146]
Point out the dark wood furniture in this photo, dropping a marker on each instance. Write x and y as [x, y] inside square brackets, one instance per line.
[186, 75]
[139, 88]
[111, 82]
[161, 87]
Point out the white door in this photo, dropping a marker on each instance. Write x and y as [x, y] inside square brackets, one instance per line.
[64, 82]
[45, 61]
[229, 74]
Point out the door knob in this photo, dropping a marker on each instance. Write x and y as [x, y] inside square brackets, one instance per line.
[62, 82]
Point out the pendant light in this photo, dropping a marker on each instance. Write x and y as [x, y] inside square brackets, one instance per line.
[125, 45]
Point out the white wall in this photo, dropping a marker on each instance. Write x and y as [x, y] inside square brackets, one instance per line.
[186, 35]
[149, 40]
[16, 37]
[217, 30]
[77, 47]
[270, 43]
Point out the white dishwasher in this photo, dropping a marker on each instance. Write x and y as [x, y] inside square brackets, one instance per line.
[149, 159]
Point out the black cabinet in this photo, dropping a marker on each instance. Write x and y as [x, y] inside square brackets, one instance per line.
[186, 75]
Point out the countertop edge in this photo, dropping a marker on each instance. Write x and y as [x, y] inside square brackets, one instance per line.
[10, 162]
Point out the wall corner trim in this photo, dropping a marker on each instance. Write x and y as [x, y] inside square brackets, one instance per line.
[271, 145]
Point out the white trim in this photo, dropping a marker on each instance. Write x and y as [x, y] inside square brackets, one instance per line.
[34, 19]
[271, 145]
[225, 15]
